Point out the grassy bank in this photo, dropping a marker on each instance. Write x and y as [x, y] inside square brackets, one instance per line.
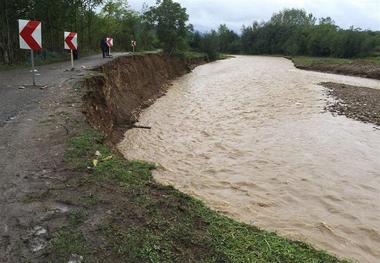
[123, 215]
[364, 67]
[309, 61]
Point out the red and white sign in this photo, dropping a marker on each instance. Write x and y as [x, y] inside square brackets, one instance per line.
[109, 41]
[71, 40]
[30, 34]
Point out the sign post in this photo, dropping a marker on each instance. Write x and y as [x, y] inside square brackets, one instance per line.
[33, 69]
[133, 44]
[30, 38]
[71, 42]
[109, 41]
[72, 59]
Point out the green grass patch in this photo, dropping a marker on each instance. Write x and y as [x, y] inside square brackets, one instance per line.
[307, 61]
[190, 54]
[149, 222]
[375, 60]
[66, 242]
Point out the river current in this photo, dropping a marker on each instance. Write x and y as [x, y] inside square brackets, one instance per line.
[250, 137]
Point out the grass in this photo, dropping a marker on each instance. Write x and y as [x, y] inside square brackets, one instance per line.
[149, 222]
[190, 54]
[375, 60]
[67, 242]
[308, 61]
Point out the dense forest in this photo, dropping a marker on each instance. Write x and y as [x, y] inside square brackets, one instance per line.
[291, 32]
[165, 26]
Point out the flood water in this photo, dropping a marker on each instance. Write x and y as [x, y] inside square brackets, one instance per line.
[250, 137]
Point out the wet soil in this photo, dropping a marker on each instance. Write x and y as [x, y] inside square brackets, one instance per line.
[360, 103]
[40, 194]
[357, 68]
[35, 122]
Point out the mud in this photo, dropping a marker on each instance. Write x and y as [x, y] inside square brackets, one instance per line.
[39, 192]
[35, 123]
[357, 68]
[360, 103]
[124, 87]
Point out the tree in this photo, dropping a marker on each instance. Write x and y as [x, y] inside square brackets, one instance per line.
[229, 41]
[295, 32]
[169, 20]
[210, 45]
[293, 17]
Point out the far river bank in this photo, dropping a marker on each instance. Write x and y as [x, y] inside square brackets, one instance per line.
[366, 68]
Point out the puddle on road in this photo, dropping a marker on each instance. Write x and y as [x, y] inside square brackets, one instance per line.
[249, 137]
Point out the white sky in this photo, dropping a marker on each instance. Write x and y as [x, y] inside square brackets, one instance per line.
[208, 14]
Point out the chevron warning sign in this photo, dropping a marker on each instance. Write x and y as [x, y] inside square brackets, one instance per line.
[30, 34]
[109, 41]
[71, 40]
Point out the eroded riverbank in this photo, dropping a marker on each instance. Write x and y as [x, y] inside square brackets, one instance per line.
[248, 136]
[69, 197]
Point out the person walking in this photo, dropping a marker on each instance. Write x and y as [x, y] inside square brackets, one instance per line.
[104, 47]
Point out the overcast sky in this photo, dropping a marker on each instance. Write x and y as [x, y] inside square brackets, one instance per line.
[208, 14]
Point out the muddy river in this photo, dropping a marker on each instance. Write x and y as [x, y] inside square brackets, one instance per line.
[250, 137]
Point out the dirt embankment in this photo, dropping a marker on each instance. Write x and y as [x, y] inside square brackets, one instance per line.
[127, 85]
[359, 103]
[357, 68]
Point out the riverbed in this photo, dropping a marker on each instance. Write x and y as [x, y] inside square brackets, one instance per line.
[250, 137]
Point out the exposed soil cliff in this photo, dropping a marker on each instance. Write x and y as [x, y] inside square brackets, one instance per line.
[128, 84]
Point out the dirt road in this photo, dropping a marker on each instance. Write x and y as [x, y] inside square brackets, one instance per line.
[34, 124]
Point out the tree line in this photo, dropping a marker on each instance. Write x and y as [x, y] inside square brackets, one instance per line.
[165, 26]
[291, 32]
[294, 32]
[91, 19]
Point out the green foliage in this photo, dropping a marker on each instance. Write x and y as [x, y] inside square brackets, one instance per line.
[165, 25]
[169, 20]
[293, 17]
[115, 19]
[294, 32]
[56, 17]
[229, 41]
[210, 45]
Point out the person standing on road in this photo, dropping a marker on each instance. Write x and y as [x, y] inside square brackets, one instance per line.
[104, 47]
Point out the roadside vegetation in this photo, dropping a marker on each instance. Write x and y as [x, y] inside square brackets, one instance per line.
[129, 216]
[291, 32]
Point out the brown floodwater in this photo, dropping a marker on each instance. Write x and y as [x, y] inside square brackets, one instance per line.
[250, 137]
